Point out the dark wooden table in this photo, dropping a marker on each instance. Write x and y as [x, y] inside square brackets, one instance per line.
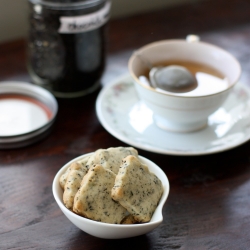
[209, 202]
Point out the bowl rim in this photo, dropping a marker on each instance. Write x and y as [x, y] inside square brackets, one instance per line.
[166, 189]
[160, 42]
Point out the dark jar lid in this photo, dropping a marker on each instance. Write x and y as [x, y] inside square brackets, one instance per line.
[27, 113]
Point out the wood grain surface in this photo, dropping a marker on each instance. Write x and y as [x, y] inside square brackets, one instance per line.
[209, 202]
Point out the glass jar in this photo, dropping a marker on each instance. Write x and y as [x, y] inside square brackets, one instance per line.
[66, 45]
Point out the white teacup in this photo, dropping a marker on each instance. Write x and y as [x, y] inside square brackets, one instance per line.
[183, 113]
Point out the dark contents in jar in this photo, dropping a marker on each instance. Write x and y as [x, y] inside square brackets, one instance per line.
[64, 62]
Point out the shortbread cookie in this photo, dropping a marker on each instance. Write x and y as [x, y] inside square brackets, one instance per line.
[137, 189]
[74, 178]
[129, 219]
[111, 158]
[63, 178]
[93, 199]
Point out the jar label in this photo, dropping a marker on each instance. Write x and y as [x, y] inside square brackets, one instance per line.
[78, 24]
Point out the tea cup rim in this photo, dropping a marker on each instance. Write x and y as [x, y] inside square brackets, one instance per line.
[157, 43]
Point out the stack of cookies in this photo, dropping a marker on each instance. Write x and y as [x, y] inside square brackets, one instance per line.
[112, 186]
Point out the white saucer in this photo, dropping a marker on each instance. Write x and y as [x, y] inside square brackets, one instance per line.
[127, 118]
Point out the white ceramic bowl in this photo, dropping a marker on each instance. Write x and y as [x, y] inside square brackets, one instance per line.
[113, 231]
[183, 113]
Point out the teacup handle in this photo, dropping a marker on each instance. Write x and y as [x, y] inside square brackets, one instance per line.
[192, 38]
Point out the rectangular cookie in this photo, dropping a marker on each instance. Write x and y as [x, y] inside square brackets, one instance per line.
[137, 189]
[63, 178]
[73, 182]
[93, 199]
[111, 158]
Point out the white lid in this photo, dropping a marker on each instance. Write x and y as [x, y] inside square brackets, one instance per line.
[26, 113]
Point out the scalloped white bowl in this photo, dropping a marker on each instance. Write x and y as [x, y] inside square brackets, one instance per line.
[112, 231]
